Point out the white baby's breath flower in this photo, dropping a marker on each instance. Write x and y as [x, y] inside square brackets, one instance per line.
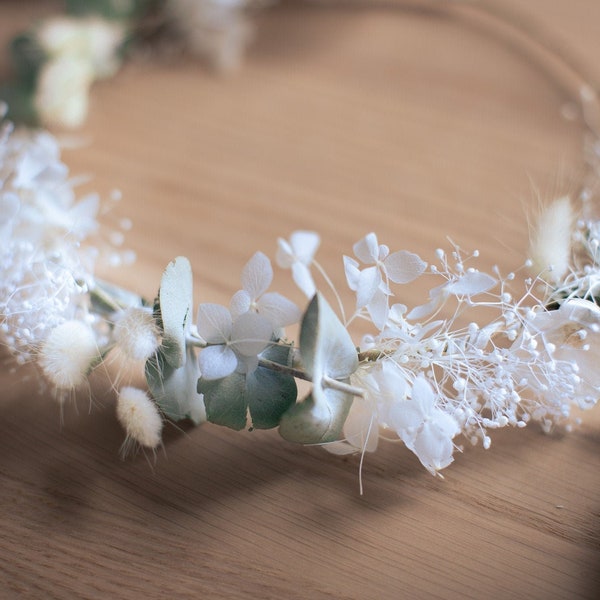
[68, 354]
[140, 418]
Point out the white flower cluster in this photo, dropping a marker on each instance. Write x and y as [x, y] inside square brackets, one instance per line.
[44, 272]
[427, 379]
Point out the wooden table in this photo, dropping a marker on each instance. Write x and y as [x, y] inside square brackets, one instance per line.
[410, 123]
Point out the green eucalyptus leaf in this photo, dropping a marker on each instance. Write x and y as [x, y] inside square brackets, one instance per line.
[225, 400]
[263, 395]
[175, 302]
[325, 345]
[316, 421]
[327, 352]
[174, 390]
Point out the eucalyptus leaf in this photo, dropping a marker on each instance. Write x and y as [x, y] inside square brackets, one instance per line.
[327, 353]
[175, 302]
[263, 395]
[174, 390]
[225, 400]
[316, 420]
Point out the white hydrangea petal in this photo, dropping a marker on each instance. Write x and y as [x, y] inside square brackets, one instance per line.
[361, 429]
[303, 279]
[250, 334]
[241, 302]
[285, 254]
[367, 249]
[405, 417]
[433, 448]
[305, 245]
[471, 283]
[352, 272]
[403, 266]
[216, 362]
[422, 393]
[214, 323]
[368, 282]
[278, 310]
[257, 275]
[378, 309]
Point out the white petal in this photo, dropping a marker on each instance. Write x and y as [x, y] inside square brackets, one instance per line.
[240, 303]
[405, 417]
[471, 283]
[361, 429]
[367, 250]
[257, 275]
[285, 254]
[403, 266]
[250, 334]
[379, 309]
[216, 362]
[422, 393]
[214, 323]
[303, 279]
[278, 310]
[352, 272]
[433, 448]
[368, 282]
[305, 245]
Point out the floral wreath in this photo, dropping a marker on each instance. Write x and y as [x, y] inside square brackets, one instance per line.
[420, 376]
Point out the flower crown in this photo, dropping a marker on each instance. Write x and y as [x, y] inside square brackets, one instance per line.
[431, 375]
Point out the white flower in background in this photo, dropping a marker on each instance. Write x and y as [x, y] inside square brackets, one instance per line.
[424, 427]
[257, 276]
[372, 283]
[297, 254]
[62, 93]
[232, 344]
[94, 40]
[78, 52]
[217, 30]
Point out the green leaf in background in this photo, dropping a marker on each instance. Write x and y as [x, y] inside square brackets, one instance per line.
[27, 58]
[327, 354]
[110, 9]
[260, 397]
[175, 302]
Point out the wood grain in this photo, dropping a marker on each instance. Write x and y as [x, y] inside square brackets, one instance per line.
[410, 123]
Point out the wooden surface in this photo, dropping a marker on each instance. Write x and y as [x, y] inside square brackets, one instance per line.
[410, 124]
